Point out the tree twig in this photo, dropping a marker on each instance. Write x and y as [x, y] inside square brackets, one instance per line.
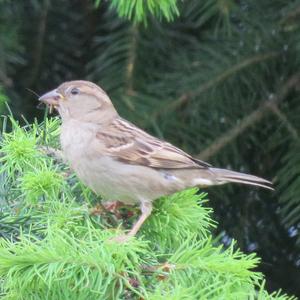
[6, 81]
[38, 50]
[131, 59]
[282, 117]
[214, 81]
[249, 120]
[56, 153]
[292, 15]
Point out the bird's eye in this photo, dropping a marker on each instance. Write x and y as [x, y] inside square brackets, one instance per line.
[75, 91]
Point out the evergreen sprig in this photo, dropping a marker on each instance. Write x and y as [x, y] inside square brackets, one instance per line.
[18, 149]
[55, 248]
[63, 266]
[179, 215]
[194, 81]
[137, 10]
[289, 186]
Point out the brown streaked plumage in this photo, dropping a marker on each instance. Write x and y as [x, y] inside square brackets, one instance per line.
[134, 146]
[121, 162]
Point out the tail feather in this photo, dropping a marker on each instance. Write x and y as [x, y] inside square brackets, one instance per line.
[225, 176]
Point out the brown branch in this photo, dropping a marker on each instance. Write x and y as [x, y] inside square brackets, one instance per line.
[184, 98]
[131, 59]
[292, 15]
[38, 49]
[6, 81]
[249, 120]
[283, 118]
[55, 153]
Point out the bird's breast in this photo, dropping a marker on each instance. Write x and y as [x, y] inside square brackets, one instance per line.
[109, 177]
[75, 139]
[97, 171]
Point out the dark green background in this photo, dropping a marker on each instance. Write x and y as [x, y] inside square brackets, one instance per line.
[221, 81]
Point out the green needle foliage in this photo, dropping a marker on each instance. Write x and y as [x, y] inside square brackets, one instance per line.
[63, 266]
[180, 205]
[3, 99]
[137, 10]
[55, 246]
[291, 177]
[218, 78]
[41, 182]
[18, 150]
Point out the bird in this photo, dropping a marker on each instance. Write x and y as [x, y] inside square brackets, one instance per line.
[121, 162]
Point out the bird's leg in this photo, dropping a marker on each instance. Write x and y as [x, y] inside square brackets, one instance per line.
[56, 153]
[113, 206]
[146, 208]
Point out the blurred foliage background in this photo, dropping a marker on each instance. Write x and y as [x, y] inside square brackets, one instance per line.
[219, 78]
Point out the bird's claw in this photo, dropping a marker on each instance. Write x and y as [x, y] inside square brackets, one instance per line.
[120, 239]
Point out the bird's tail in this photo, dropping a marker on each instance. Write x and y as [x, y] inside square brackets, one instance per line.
[225, 176]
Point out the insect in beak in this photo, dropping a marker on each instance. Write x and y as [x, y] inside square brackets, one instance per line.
[52, 99]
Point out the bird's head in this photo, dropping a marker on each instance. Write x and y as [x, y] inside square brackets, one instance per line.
[81, 100]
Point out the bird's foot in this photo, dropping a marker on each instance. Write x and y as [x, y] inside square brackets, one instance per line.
[113, 206]
[120, 239]
[108, 207]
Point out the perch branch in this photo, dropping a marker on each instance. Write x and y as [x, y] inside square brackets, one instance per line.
[55, 153]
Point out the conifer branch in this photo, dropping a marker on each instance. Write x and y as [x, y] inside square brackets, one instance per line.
[131, 59]
[284, 119]
[52, 152]
[38, 50]
[5, 80]
[250, 119]
[184, 98]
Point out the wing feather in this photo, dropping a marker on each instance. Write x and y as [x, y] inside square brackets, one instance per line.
[125, 142]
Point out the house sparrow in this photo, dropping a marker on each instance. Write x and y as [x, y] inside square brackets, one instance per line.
[118, 160]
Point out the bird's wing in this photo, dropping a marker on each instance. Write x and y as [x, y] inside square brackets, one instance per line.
[125, 142]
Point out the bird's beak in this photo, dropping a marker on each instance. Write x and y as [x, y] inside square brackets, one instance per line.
[51, 98]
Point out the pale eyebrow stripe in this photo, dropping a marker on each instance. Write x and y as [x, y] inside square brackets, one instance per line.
[68, 89]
